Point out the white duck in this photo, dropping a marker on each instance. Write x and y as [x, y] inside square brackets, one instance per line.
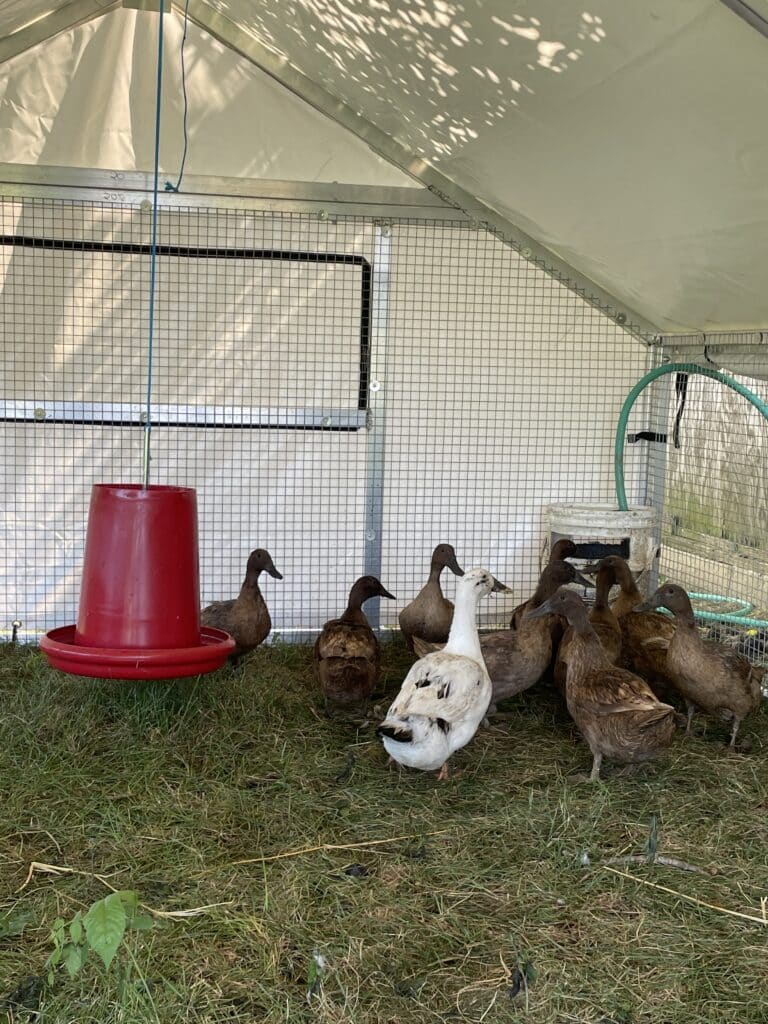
[446, 694]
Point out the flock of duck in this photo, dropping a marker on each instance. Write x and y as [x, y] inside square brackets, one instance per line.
[621, 666]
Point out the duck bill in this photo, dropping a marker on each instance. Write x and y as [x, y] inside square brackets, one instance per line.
[454, 566]
[538, 613]
[499, 587]
[386, 593]
[646, 606]
[584, 581]
[592, 568]
[273, 572]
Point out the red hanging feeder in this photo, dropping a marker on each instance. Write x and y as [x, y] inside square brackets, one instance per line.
[139, 613]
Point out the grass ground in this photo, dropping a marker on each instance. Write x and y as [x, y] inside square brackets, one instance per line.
[164, 787]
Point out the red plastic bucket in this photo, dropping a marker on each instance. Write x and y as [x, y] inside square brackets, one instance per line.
[141, 577]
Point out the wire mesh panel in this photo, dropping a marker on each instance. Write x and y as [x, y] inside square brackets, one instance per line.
[708, 475]
[343, 392]
[504, 392]
[259, 395]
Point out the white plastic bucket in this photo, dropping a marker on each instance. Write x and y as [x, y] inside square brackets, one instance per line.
[634, 534]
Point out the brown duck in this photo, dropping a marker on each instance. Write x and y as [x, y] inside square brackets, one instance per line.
[709, 675]
[429, 615]
[647, 660]
[518, 658]
[347, 656]
[617, 713]
[246, 617]
[561, 549]
[603, 621]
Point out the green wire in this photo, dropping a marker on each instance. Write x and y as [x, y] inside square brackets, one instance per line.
[618, 461]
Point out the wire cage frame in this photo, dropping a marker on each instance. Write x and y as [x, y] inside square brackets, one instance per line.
[346, 390]
[707, 446]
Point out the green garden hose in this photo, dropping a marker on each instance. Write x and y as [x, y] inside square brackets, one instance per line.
[618, 461]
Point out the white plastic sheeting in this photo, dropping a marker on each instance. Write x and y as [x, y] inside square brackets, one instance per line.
[630, 138]
[86, 99]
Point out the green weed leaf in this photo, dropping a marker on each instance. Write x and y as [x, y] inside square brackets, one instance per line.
[76, 928]
[652, 846]
[130, 901]
[105, 926]
[14, 924]
[142, 923]
[74, 958]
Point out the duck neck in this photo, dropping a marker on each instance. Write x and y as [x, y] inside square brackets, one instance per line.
[354, 610]
[250, 587]
[544, 590]
[589, 651]
[463, 637]
[629, 598]
[684, 617]
[602, 590]
[435, 570]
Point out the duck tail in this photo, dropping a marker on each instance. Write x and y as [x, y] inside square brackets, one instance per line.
[396, 732]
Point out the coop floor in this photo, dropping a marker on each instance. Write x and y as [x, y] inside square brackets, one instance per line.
[234, 792]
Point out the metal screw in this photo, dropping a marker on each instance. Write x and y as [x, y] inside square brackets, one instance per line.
[621, 318]
[526, 253]
[39, 413]
[145, 206]
[322, 215]
[375, 385]
[325, 421]
[386, 230]
[370, 535]
[143, 417]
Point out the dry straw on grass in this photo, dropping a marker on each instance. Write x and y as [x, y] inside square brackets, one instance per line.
[233, 798]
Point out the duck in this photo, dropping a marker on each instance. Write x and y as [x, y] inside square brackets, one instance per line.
[430, 613]
[710, 676]
[516, 659]
[615, 710]
[603, 621]
[445, 695]
[246, 617]
[561, 549]
[637, 628]
[346, 656]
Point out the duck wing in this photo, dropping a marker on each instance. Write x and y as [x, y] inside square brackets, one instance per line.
[346, 640]
[617, 692]
[517, 615]
[217, 612]
[447, 687]
[424, 647]
[515, 660]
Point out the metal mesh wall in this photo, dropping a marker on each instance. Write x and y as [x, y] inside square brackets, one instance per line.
[344, 393]
[709, 477]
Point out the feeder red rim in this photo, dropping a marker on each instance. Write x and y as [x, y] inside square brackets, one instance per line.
[213, 643]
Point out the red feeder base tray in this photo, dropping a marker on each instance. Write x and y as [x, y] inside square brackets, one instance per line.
[63, 653]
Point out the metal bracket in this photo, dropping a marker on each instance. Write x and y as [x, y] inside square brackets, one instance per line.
[377, 407]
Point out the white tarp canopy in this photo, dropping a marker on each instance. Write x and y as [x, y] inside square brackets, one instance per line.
[628, 137]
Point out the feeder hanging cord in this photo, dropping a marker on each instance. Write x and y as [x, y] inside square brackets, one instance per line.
[153, 248]
[621, 434]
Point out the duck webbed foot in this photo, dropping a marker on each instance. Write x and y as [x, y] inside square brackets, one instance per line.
[442, 775]
[734, 732]
[690, 708]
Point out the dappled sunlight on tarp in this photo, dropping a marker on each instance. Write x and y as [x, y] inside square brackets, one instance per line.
[439, 54]
[86, 99]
